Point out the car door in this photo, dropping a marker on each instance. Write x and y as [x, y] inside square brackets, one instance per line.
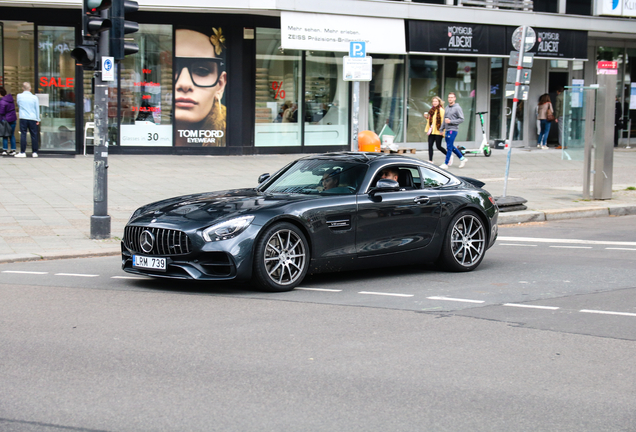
[397, 221]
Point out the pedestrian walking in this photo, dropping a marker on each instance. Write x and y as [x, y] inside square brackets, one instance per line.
[558, 115]
[618, 120]
[453, 117]
[7, 113]
[434, 119]
[29, 107]
[546, 117]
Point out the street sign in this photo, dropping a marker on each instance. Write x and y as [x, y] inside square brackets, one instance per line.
[528, 59]
[511, 76]
[531, 38]
[108, 68]
[357, 49]
[523, 91]
[357, 69]
[607, 68]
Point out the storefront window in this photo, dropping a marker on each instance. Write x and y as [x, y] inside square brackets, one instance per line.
[386, 96]
[146, 89]
[278, 83]
[497, 87]
[630, 92]
[617, 55]
[425, 78]
[56, 85]
[460, 77]
[326, 113]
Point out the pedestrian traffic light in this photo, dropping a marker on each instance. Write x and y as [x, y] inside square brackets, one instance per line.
[92, 21]
[119, 48]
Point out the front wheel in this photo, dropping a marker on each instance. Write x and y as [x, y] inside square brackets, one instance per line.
[487, 151]
[465, 243]
[281, 258]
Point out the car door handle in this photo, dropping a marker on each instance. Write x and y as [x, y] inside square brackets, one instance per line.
[421, 199]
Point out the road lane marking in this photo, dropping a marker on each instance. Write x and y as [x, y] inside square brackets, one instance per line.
[515, 244]
[572, 247]
[531, 306]
[621, 249]
[319, 289]
[607, 312]
[24, 272]
[75, 274]
[130, 277]
[385, 294]
[455, 299]
[565, 241]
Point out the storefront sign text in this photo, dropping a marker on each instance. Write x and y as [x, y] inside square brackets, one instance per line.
[57, 82]
[200, 136]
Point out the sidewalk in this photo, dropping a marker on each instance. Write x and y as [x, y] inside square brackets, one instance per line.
[46, 203]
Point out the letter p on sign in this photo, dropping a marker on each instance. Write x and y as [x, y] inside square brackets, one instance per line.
[357, 49]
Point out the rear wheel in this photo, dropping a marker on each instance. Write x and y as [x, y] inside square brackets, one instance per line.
[281, 258]
[465, 242]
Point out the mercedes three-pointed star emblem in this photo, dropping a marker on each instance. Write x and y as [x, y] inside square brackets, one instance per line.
[147, 241]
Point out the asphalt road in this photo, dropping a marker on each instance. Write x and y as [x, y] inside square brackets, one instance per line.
[539, 337]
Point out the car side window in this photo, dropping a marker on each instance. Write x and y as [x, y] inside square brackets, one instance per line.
[431, 179]
[408, 177]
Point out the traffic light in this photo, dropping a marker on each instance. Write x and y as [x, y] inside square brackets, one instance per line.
[119, 48]
[93, 24]
[92, 21]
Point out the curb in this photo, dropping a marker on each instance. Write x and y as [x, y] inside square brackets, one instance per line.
[14, 258]
[526, 216]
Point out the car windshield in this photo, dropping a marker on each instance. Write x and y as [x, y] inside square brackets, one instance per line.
[319, 176]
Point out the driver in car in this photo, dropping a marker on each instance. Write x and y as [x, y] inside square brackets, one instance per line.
[331, 179]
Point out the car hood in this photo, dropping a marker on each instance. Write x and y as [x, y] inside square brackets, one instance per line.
[202, 209]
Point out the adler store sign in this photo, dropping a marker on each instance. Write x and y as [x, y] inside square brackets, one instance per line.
[322, 32]
[625, 8]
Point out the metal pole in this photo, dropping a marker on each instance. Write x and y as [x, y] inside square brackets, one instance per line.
[356, 115]
[590, 100]
[629, 133]
[100, 220]
[515, 100]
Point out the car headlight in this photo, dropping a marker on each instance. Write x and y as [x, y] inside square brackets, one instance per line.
[228, 229]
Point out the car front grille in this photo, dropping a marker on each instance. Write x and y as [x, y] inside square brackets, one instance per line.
[166, 241]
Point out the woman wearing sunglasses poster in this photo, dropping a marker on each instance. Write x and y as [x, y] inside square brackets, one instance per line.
[200, 79]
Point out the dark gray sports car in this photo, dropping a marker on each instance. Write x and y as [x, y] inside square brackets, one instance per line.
[330, 212]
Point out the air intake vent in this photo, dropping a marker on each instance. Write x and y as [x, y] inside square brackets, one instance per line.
[156, 241]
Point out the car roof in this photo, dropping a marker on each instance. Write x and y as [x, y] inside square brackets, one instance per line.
[365, 157]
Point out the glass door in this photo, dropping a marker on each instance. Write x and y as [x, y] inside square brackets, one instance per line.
[56, 87]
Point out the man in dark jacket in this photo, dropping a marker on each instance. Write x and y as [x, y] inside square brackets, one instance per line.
[7, 112]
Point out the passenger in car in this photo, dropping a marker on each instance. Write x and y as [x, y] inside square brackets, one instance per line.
[390, 173]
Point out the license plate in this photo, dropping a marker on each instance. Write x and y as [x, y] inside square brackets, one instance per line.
[153, 263]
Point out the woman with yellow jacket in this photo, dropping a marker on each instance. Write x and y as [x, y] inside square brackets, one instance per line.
[434, 119]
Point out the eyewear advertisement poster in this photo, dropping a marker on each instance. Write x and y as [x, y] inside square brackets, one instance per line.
[200, 78]
[322, 32]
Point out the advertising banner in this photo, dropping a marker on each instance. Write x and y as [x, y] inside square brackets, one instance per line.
[323, 32]
[556, 43]
[200, 77]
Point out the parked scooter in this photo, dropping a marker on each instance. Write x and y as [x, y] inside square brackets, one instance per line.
[484, 147]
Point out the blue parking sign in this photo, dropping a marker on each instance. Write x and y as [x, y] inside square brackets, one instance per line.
[357, 49]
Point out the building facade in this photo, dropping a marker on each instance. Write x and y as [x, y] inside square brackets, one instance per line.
[256, 77]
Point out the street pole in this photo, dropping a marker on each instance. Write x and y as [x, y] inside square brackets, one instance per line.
[356, 115]
[100, 220]
[515, 100]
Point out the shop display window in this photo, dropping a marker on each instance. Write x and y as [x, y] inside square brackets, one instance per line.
[145, 90]
[278, 84]
[386, 96]
[326, 113]
[56, 87]
[425, 80]
[460, 77]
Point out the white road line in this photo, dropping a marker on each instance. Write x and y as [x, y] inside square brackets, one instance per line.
[75, 274]
[513, 244]
[621, 249]
[130, 277]
[385, 294]
[319, 289]
[455, 299]
[531, 306]
[607, 312]
[572, 247]
[565, 241]
[24, 272]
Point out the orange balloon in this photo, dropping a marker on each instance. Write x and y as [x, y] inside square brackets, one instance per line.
[368, 141]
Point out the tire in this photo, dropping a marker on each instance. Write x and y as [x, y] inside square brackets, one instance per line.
[487, 152]
[281, 258]
[464, 243]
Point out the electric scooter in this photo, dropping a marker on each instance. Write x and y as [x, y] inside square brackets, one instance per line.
[484, 147]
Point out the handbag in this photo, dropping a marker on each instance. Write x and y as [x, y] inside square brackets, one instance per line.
[5, 128]
[549, 115]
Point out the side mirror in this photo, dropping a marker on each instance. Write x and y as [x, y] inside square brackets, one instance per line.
[263, 177]
[385, 185]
